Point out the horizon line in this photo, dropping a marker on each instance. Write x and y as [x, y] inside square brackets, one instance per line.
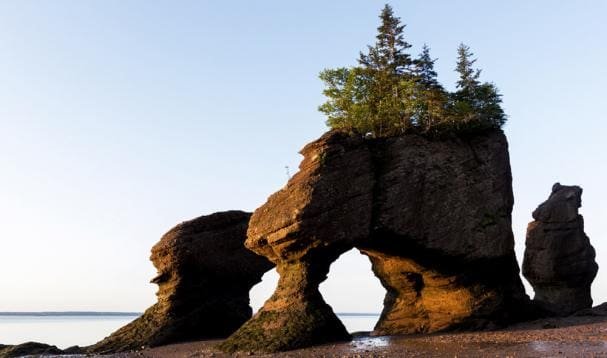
[69, 313]
[119, 313]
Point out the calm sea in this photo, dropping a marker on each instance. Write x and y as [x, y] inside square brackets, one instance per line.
[83, 330]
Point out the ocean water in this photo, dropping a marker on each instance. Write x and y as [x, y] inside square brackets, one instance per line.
[83, 330]
[61, 331]
[357, 322]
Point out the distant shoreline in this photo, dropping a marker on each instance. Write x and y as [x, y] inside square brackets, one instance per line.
[124, 314]
[69, 314]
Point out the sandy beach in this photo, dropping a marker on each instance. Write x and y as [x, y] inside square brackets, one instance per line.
[566, 337]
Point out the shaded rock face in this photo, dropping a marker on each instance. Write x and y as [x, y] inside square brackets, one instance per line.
[559, 260]
[433, 216]
[204, 276]
[442, 242]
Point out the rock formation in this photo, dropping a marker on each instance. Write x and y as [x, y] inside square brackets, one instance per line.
[204, 275]
[559, 260]
[29, 348]
[433, 216]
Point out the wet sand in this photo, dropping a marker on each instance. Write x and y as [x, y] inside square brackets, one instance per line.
[566, 337]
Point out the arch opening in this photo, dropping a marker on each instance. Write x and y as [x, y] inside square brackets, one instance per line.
[263, 290]
[354, 292]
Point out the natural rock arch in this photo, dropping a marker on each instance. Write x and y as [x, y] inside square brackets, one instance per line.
[434, 217]
[437, 211]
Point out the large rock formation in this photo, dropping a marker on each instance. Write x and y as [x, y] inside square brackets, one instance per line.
[204, 275]
[433, 216]
[559, 260]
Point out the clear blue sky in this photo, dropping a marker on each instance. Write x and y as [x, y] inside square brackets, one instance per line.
[119, 119]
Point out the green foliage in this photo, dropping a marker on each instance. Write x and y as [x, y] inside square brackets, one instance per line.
[389, 93]
[475, 105]
[347, 93]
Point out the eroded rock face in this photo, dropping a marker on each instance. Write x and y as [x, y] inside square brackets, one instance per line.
[204, 276]
[433, 216]
[322, 212]
[559, 260]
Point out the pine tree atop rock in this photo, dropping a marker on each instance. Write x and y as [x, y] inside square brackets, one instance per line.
[388, 53]
[390, 94]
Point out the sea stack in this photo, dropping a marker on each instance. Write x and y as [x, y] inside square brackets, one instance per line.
[559, 259]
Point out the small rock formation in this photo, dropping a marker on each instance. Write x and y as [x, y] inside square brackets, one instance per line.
[433, 216]
[204, 275]
[30, 349]
[559, 260]
[303, 228]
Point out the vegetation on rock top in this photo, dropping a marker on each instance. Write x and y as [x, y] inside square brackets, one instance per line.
[390, 93]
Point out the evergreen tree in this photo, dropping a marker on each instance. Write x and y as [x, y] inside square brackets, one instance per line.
[429, 99]
[489, 106]
[388, 54]
[388, 66]
[468, 76]
[475, 106]
[424, 69]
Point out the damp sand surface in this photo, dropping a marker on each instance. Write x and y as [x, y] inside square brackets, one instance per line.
[565, 337]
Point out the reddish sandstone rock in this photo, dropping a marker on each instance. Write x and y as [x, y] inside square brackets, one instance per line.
[204, 276]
